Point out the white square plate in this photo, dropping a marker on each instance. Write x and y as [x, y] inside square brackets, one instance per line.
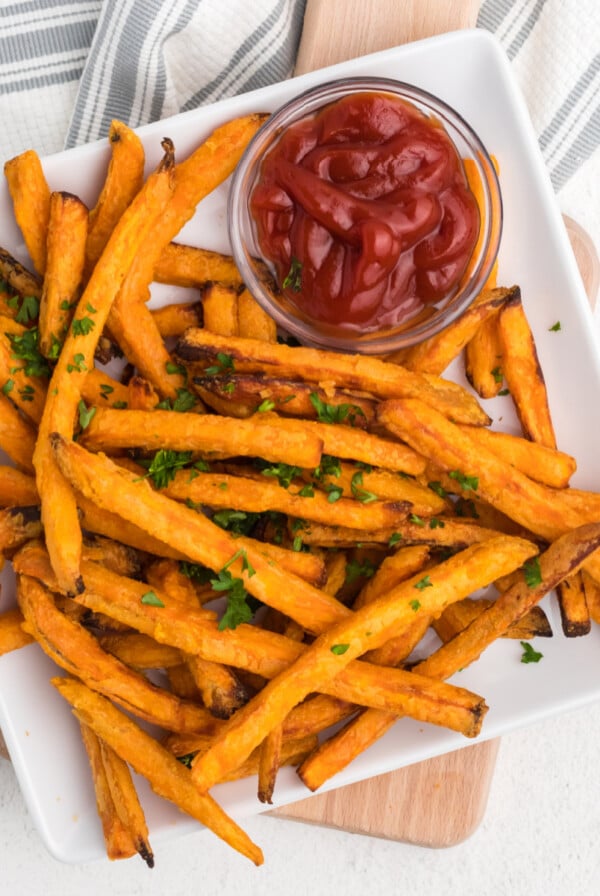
[470, 72]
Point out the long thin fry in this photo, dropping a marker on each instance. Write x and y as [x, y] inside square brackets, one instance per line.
[167, 777]
[30, 195]
[77, 358]
[126, 801]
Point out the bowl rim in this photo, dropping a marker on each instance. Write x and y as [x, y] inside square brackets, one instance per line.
[387, 340]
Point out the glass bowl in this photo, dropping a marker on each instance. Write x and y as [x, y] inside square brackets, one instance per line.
[259, 273]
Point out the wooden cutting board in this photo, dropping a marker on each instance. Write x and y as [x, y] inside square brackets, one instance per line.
[439, 802]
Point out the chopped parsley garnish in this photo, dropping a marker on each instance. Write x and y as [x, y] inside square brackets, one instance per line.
[265, 406]
[78, 363]
[339, 649]
[224, 362]
[307, 491]
[173, 368]
[435, 523]
[27, 393]
[8, 386]
[195, 571]
[416, 520]
[335, 413]
[29, 308]
[497, 374]
[555, 327]
[106, 390]
[283, 473]
[360, 493]
[395, 537]
[415, 605]
[529, 654]
[293, 278]
[329, 466]
[85, 414]
[164, 465]
[81, 326]
[240, 605]
[357, 570]
[239, 522]
[25, 347]
[185, 401]
[424, 583]
[532, 572]
[467, 483]
[151, 599]
[334, 493]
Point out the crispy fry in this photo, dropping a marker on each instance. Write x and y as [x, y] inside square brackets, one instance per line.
[167, 777]
[17, 489]
[546, 465]
[141, 395]
[98, 388]
[12, 635]
[30, 195]
[126, 802]
[269, 438]
[139, 651]
[65, 256]
[458, 616]
[123, 181]
[241, 395]
[523, 374]
[345, 641]
[17, 436]
[253, 322]
[364, 482]
[351, 372]
[435, 354]
[181, 265]
[574, 613]
[76, 651]
[225, 491]
[77, 357]
[443, 532]
[18, 278]
[221, 692]
[118, 840]
[18, 525]
[175, 319]
[220, 309]
[483, 359]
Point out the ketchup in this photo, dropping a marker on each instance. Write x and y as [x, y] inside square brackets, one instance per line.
[364, 210]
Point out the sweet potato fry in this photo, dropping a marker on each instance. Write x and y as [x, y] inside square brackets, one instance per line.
[221, 692]
[442, 532]
[483, 359]
[220, 309]
[17, 489]
[167, 777]
[17, 277]
[65, 257]
[242, 394]
[118, 841]
[435, 354]
[77, 358]
[253, 322]
[458, 616]
[574, 613]
[546, 465]
[523, 374]
[351, 372]
[78, 652]
[139, 651]
[17, 436]
[98, 388]
[141, 395]
[126, 802]
[123, 181]
[592, 596]
[18, 525]
[12, 635]
[365, 482]
[345, 641]
[175, 319]
[272, 439]
[225, 491]
[181, 265]
[30, 196]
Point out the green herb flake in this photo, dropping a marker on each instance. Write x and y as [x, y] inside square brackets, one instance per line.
[283, 473]
[28, 310]
[224, 362]
[164, 465]
[78, 363]
[85, 414]
[307, 491]
[415, 605]
[435, 523]
[334, 493]
[532, 572]
[265, 406]
[151, 599]
[360, 493]
[293, 278]
[119, 405]
[438, 488]
[555, 328]
[497, 374]
[339, 649]
[8, 386]
[106, 390]
[357, 570]
[416, 520]
[334, 413]
[529, 654]
[395, 537]
[25, 347]
[81, 326]
[424, 583]
[173, 368]
[467, 483]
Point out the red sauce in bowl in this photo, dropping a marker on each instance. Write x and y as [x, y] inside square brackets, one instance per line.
[364, 210]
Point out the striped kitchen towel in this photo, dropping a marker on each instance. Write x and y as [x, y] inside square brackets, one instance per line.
[67, 67]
